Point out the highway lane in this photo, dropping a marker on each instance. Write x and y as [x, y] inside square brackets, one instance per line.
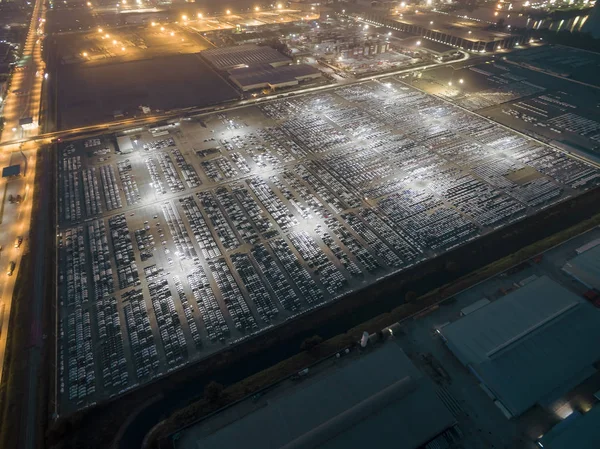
[23, 101]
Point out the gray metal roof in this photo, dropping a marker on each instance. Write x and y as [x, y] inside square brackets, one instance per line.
[586, 267]
[427, 44]
[577, 431]
[243, 55]
[265, 74]
[378, 400]
[530, 344]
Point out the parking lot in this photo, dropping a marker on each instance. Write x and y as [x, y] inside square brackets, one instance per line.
[546, 107]
[221, 226]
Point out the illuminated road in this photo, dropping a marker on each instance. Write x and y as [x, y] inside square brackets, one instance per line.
[23, 101]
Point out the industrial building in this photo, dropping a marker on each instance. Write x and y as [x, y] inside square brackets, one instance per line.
[585, 267]
[12, 171]
[436, 49]
[530, 347]
[248, 55]
[252, 67]
[581, 431]
[592, 24]
[125, 144]
[266, 76]
[379, 399]
[455, 31]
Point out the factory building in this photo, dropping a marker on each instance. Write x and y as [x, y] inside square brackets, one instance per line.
[578, 430]
[585, 267]
[529, 348]
[592, 24]
[229, 58]
[376, 399]
[251, 67]
[456, 32]
[265, 76]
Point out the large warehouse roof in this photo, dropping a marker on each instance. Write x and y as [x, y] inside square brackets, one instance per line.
[527, 345]
[244, 56]
[378, 400]
[586, 267]
[419, 42]
[577, 431]
[256, 77]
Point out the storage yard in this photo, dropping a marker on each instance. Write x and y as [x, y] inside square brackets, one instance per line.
[199, 233]
[546, 107]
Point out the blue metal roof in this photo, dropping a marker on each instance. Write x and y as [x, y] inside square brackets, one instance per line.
[529, 346]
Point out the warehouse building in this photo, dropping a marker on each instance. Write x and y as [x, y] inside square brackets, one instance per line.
[379, 399]
[125, 144]
[455, 31]
[586, 268]
[265, 76]
[529, 348]
[436, 49]
[229, 58]
[581, 431]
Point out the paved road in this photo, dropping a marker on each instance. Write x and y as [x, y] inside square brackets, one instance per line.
[114, 126]
[23, 101]
[15, 218]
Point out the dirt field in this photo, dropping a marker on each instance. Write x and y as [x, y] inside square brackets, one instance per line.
[92, 94]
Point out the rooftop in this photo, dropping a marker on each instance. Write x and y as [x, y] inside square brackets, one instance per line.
[379, 399]
[586, 267]
[418, 42]
[244, 56]
[577, 431]
[11, 170]
[456, 26]
[529, 344]
[266, 74]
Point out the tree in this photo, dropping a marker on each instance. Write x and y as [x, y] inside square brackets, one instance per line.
[311, 342]
[213, 391]
[410, 297]
[452, 266]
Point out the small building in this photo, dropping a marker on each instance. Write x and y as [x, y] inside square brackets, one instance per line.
[125, 144]
[265, 76]
[378, 399]
[586, 268]
[530, 347]
[12, 171]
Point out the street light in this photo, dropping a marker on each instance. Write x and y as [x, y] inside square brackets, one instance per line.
[84, 54]
[199, 15]
[256, 8]
[418, 42]
[228, 12]
[184, 17]
[279, 6]
[153, 24]
[461, 81]
[449, 83]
